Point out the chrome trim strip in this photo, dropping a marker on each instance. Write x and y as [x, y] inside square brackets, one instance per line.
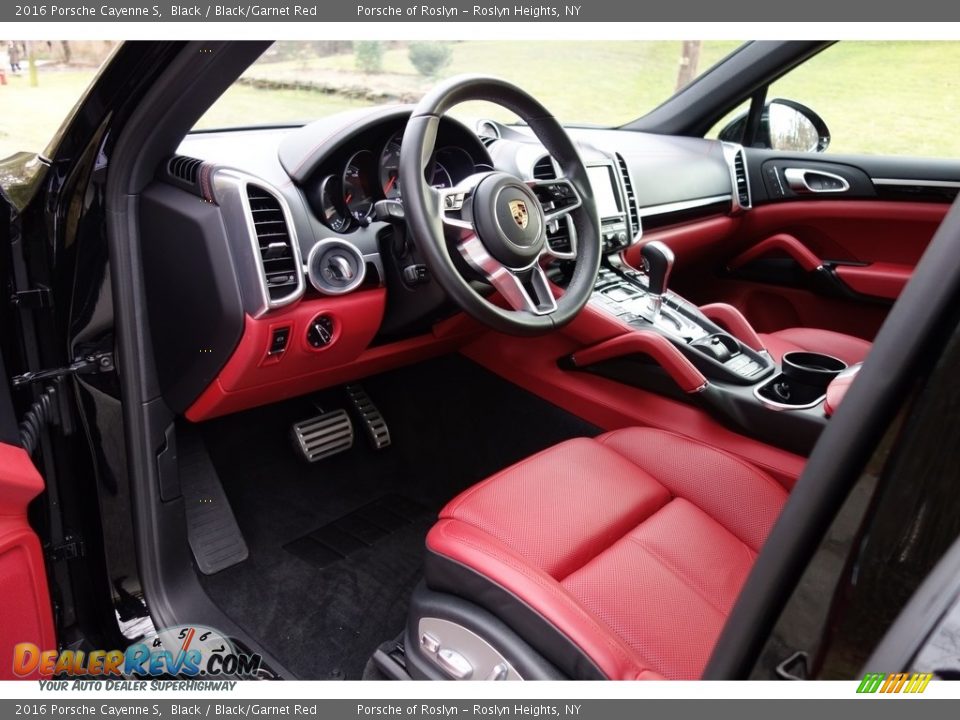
[908, 182]
[682, 205]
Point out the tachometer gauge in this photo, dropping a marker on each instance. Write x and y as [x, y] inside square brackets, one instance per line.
[440, 177]
[390, 167]
[357, 184]
[333, 210]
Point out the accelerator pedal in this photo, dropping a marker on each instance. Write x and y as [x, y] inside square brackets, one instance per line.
[373, 422]
[322, 436]
[212, 531]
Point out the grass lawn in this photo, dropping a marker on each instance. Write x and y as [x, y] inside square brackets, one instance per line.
[876, 97]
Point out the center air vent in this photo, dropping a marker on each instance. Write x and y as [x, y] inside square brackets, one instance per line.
[543, 169]
[278, 257]
[631, 196]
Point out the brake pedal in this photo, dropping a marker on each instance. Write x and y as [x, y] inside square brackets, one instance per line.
[323, 436]
[376, 427]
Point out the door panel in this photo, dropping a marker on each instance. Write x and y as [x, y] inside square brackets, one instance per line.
[831, 248]
[25, 609]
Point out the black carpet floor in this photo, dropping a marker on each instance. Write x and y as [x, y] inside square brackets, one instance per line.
[452, 424]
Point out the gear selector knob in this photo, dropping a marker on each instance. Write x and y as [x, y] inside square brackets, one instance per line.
[658, 262]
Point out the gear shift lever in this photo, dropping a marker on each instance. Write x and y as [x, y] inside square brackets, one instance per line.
[658, 262]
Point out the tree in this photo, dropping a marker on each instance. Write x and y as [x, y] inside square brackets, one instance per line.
[689, 60]
[32, 65]
[430, 58]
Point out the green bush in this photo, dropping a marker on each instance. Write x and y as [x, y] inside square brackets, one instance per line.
[369, 55]
[430, 58]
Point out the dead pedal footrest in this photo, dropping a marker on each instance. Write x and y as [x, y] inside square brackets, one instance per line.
[323, 436]
[369, 415]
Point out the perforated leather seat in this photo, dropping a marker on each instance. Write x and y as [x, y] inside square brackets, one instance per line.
[626, 551]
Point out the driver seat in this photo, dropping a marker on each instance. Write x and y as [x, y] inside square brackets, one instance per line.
[616, 557]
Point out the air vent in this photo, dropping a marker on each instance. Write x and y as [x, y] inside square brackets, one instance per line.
[183, 168]
[280, 267]
[543, 169]
[487, 140]
[631, 196]
[740, 176]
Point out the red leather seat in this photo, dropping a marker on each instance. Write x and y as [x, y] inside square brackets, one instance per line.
[848, 348]
[631, 546]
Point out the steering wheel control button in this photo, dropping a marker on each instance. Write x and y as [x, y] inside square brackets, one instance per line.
[335, 267]
[415, 274]
[320, 332]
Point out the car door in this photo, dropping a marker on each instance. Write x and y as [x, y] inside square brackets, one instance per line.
[840, 217]
[27, 616]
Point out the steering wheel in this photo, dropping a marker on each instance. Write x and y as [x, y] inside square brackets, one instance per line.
[498, 222]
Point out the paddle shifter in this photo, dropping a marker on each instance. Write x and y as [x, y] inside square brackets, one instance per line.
[658, 262]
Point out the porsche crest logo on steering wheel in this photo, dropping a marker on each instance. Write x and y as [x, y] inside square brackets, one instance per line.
[518, 209]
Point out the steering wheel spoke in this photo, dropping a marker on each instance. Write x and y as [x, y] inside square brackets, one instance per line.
[558, 197]
[524, 289]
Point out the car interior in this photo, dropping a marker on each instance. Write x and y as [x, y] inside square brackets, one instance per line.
[497, 401]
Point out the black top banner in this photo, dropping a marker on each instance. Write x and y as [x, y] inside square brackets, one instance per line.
[483, 11]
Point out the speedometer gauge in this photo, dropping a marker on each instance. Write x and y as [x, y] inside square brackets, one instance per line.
[333, 211]
[357, 184]
[390, 167]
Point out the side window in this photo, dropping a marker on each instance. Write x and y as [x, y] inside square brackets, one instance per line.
[876, 98]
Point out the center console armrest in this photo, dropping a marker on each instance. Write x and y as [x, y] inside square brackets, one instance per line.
[733, 321]
[677, 366]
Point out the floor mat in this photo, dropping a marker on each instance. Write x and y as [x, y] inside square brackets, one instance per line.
[324, 613]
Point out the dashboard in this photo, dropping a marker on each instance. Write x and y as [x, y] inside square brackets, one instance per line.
[271, 270]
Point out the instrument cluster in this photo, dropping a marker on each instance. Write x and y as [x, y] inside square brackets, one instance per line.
[345, 198]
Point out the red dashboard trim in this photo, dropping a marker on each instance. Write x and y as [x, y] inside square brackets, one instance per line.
[252, 377]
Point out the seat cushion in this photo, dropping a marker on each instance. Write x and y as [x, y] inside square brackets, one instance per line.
[633, 545]
[848, 348]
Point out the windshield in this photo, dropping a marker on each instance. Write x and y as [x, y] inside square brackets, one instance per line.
[584, 82]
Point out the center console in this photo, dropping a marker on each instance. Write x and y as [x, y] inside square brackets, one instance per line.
[678, 349]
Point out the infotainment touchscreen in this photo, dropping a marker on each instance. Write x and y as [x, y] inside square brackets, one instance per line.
[602, 181]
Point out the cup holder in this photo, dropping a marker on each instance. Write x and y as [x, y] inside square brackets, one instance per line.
[808, 368]
[802, 382]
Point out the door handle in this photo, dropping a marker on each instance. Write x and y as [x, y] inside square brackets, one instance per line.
[805, 181]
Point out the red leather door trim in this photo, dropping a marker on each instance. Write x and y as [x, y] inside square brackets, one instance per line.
[26, 614]
[779, 244]
[884, 280]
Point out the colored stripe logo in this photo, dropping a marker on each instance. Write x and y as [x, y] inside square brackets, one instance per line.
[894, 682]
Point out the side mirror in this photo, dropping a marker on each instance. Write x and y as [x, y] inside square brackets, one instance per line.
[784, 125]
